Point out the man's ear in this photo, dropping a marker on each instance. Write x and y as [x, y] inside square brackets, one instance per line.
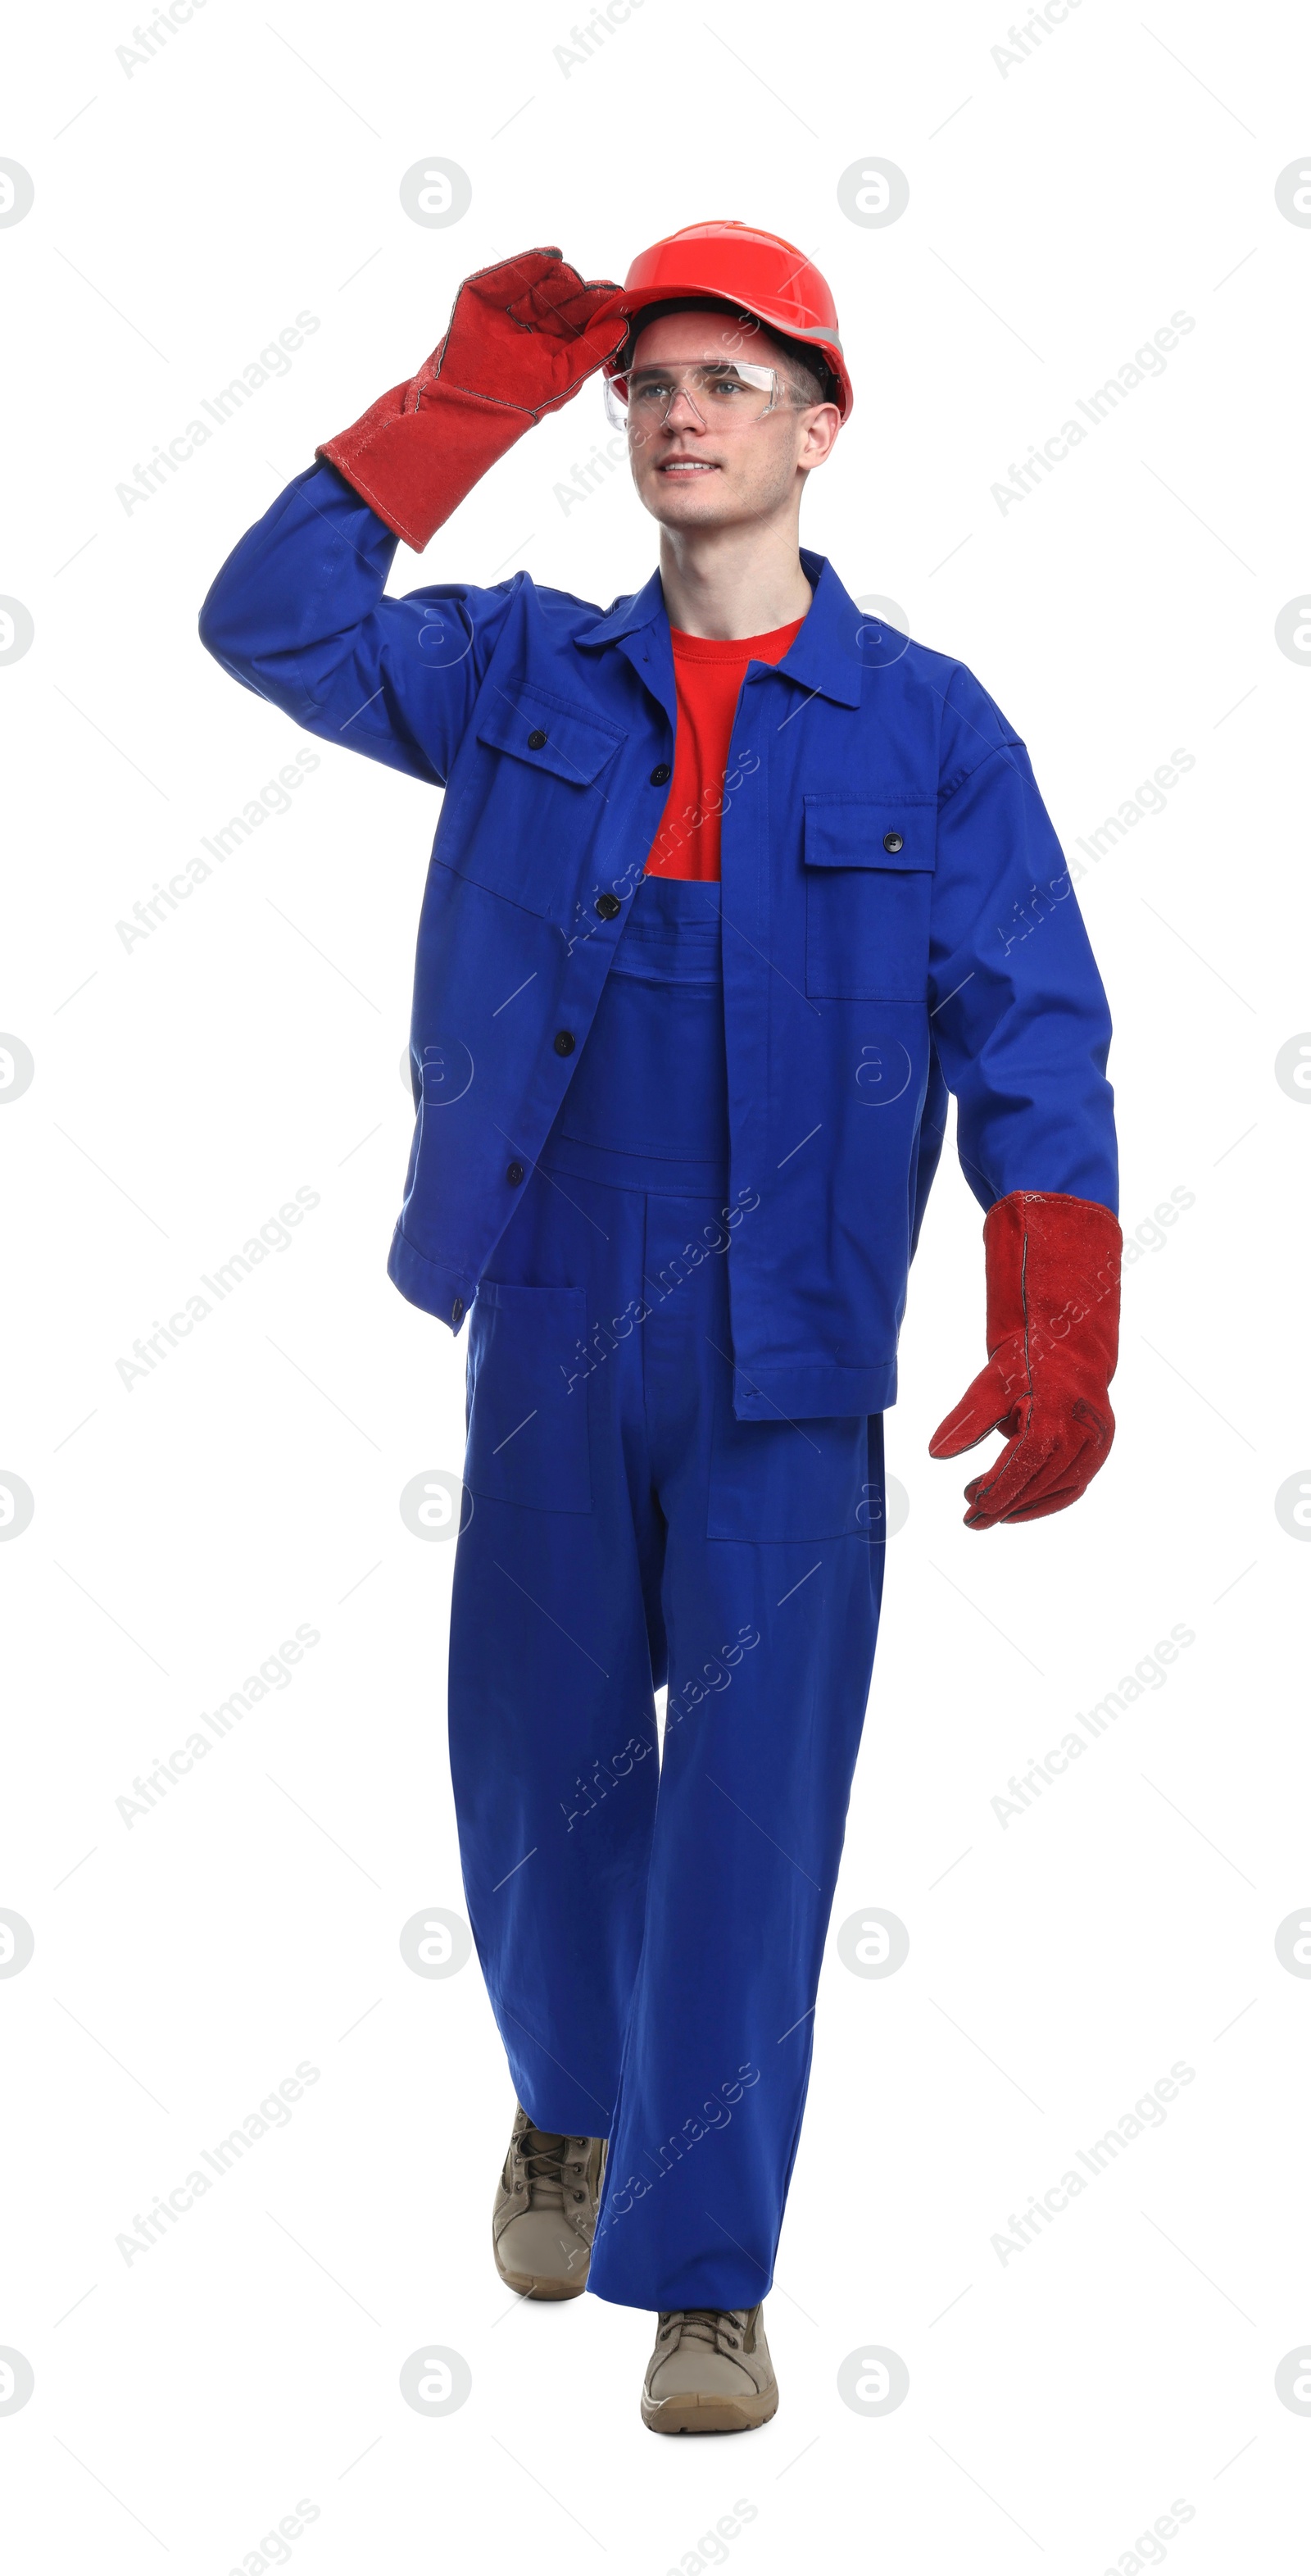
[821, 437]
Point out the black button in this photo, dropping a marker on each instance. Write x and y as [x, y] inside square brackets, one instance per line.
[457, 1310]
[536, 739]
[608, 905]
[661, 774]
[893, 841]
[514, 1174]
[564, 1044]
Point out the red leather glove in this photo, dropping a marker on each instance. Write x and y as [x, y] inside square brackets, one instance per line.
[520, 342]
[1053, 1269]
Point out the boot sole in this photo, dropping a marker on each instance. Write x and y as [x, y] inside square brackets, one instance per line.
[708, 2414]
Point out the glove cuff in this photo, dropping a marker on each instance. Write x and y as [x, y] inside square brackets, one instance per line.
[1053, 1273]
[413, 462]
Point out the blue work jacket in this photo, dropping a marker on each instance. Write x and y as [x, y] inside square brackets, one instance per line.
[898, 920]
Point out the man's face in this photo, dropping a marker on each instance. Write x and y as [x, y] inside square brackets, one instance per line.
[690, 471]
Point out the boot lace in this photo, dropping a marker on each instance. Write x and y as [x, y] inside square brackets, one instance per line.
[704, 2325]
[541, 2154]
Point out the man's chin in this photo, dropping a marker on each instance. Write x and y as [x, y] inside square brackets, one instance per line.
[702, 500]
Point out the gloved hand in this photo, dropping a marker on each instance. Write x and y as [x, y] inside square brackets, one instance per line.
[520, 342]
[1053, 1272]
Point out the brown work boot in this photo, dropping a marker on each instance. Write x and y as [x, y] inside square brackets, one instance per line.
[710, 2372]
[545, 2210]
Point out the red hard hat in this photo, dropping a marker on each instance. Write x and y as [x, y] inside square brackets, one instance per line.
[760, 273]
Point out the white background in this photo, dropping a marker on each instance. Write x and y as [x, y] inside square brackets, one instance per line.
[1061, 209]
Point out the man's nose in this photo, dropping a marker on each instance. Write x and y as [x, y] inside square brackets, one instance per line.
[688, 418]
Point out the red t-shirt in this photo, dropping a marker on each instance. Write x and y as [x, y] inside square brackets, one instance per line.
[709, 676]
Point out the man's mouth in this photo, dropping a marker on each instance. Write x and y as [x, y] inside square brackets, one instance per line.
[678, 465]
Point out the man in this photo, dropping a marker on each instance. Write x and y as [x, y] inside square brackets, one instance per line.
[731, 887]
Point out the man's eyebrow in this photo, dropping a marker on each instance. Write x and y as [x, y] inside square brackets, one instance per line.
[654, 368]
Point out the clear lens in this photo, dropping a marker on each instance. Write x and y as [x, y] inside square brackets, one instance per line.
[727, 394]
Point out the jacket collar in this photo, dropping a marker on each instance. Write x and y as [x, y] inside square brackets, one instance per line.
[824, 658]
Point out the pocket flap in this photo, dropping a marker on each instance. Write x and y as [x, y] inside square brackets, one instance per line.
[547, 734]
[868, 832]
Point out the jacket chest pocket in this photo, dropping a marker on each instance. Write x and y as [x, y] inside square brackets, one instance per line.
[869, 883]
[527, 1398]
[526, 821]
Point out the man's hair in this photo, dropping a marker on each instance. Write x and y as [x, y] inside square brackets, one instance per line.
[804, 372]
[809, 380]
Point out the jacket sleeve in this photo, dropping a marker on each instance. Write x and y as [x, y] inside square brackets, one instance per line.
[1019, 1016]
[299, 614]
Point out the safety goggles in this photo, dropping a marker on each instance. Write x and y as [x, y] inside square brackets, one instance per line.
[723, 394]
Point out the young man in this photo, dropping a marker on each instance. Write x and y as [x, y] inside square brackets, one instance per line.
[731, 887]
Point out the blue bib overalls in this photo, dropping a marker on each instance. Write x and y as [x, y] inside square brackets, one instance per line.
[651, 1926]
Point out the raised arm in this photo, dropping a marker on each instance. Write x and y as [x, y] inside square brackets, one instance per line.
[299, 613]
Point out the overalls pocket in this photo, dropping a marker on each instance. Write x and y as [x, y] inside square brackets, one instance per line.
[527, 1398]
